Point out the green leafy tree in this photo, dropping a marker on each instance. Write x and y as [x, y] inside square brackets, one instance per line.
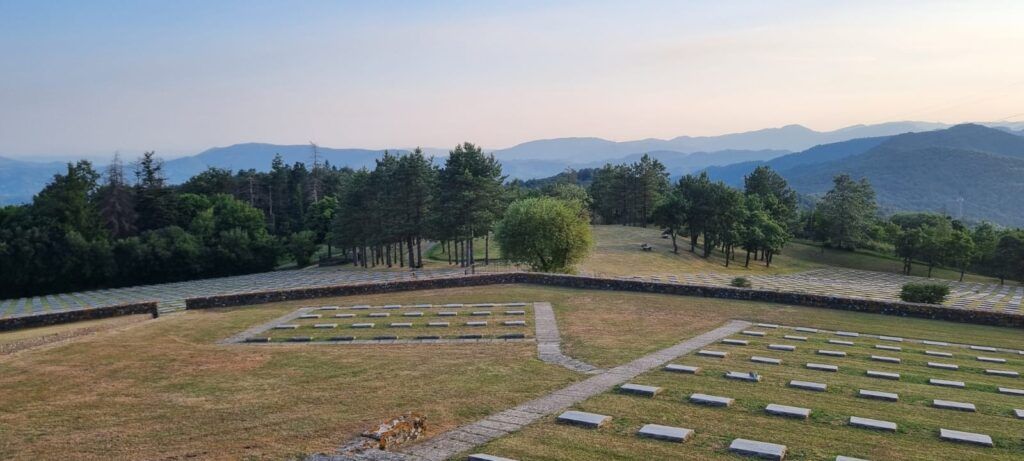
[960, 250]
[546, 233]
[670, 215]
[302, 246]
[848, 210]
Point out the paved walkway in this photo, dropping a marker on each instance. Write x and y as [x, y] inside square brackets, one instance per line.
[499, 424]
[549, 341]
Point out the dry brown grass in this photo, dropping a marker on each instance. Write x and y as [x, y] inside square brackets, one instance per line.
[164, 389]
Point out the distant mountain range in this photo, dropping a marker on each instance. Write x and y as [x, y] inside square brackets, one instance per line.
[971, 166]
[981, 162]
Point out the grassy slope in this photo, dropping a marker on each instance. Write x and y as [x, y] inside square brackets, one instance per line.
[618, 252]
[163, 389]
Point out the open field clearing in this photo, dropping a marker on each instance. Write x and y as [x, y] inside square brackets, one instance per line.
[165, 389]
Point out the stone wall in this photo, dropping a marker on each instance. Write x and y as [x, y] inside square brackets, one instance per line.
[54, 318]
[896, 308]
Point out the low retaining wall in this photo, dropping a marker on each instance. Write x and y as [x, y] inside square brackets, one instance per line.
[55, 318]
[896, 308]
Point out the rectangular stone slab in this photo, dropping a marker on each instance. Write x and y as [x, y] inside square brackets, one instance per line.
[401, 325]
[682, 369]
[483, 457]
[965, 437]
[711, 400]
[392, 306]
[328, 308]
[344, 316]
[481, 313]
[285, 327]
[878, 395]
[788, 411]
[869, 423]
[482, 305]
[515, 312]
[325, 325]
[768, 325]
[795, 338]
[991, 360]
[447, 314]
[831, 353]
[734, 342]
[453, 305]
[806, 330]
[379, 314]
[763, 450]
[584, 419]
[888, 348]
[767, 360]
[708, 353]
[882, 374]
[822, 367]
[422, 306]
[514, 323]
[438, 324]
[840, 342]
[412, 314]
[946, 383]
[753, 333]
[943, 366]
[847, 458]
[950, 405]
[882, 358]
[310, 316]
[782, 347]
[743, 376]
[891, 338]
[1006, 373]
[935, 343]
[808, 386]
[640, 389]
[362, 325]
[849, 334]
[983, 348]
[1011, 391]
[1018, 413]
[669, 433]
[938, 354]
[476, 324]
[360, 307]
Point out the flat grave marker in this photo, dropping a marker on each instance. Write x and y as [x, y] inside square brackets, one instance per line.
[965, 437]
[485, 457]
[788, 411]
[882, 375]
[938, 354]
[878, 395]
[808, 386]
[362, 325]
[667, 433]
[869, 423]
[782, 347]
[840, 342]
[476, 324]
[882, 358]
[1011, 391]
[640, 389]
[762, 450]
[991, 359]
[888, 348]
[584, 419]
[831, 353]
[753, 333]
[1003, 373]
[709, 353]
[734, 342]
[767, 360]
[286, 327]
[822, 367]
[711, 400]
[951, 405]
[325, 325]
[946, 383]
[682, 369]
[795, 338]
[743, 376]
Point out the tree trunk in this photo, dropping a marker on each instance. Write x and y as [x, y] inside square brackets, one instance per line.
[726, 256]
[747, 262]
[675, 248]
[419, 253]
[962, 270]
[487, 249]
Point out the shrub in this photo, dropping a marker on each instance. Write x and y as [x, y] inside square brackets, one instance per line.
[740, 282]
[928, 293]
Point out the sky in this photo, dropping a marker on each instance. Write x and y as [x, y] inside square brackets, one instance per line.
[91, 78]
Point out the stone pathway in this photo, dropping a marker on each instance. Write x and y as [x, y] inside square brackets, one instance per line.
[549, 341]
[464, 438]
[499, 424]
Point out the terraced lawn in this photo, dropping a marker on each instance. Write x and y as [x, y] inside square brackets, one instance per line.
[826, 433]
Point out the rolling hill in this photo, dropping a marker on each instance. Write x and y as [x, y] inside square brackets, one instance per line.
[930, 171]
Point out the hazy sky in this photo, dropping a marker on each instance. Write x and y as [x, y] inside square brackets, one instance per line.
[92, 77]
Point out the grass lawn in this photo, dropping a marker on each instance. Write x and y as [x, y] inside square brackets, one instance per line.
[164, 388]
[825, 435]
[66, 329]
